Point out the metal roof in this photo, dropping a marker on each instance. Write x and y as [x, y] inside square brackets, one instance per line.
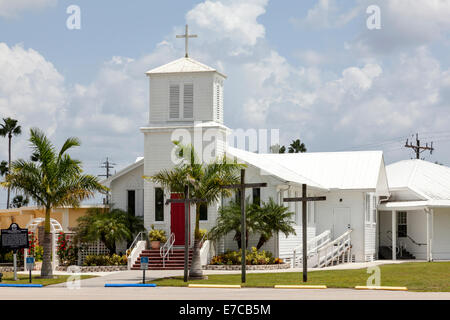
[183, 65]
[359, 170]
[430, 181]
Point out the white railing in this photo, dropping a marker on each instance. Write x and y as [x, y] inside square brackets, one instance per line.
[167, 248]
[312, 246]
[140, 237]
[335, 251]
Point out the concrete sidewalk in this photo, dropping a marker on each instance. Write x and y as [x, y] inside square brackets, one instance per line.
[135, 276]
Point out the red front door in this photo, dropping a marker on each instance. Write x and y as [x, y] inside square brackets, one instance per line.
[177, 219]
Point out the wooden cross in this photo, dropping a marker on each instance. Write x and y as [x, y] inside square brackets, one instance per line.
[186, 35]
[242, 186]
[187, 201]
[304, 199]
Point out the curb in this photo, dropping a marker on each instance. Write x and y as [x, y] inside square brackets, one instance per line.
[124, 285]
[7, 285]
[300, 287]
[225, 286]
[381, 288]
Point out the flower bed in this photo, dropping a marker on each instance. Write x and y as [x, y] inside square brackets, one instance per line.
[95, 268]
[252, 257]
[248, 267]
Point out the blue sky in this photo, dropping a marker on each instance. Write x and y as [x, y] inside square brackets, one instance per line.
[309, 68]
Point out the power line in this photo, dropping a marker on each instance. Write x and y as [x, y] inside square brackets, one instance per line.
[107, 165]
[418, 148]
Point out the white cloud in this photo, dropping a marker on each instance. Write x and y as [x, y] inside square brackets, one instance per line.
[11, 8]
[326, 14]
[405, 24]
[234, 21]
[31, 89]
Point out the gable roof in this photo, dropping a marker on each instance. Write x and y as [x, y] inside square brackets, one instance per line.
[430, 181]
[270, 167]
[360, 170]
[139, 162]
[183, 65]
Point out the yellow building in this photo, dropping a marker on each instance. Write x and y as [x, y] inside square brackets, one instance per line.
[67, 217]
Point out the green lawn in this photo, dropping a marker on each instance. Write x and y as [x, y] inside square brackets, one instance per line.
[417, 276]
[24, 279]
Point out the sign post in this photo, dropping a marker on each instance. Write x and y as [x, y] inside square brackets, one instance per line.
[144, 266]
[30, 265]
[14, 238]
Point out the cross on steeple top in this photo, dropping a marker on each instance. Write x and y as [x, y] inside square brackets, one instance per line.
[186, 35]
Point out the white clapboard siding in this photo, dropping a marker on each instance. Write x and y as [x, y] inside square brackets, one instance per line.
[369, 242]
[287, 245]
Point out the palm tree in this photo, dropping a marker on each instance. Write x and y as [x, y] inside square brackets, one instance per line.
[273, 218]
[297, 147]
[9, 128]
[4, 168]
[205, 181]
[108, 226]
[20, 201]
[54, 180]
[229, 220]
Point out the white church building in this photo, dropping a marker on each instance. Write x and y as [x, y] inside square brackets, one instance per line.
[367, 203]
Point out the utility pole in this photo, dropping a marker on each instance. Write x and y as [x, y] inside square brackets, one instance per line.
[107, 165]
[418, 149]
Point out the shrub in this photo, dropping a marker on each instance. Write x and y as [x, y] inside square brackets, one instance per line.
[105, 260]
[67, 253]
[253, 257]
[157, 235]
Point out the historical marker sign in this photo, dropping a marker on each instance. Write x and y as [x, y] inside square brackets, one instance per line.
[14, 238]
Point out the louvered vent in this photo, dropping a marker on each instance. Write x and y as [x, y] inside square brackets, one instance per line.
[218, 106]
[174, 101]
[188, 101]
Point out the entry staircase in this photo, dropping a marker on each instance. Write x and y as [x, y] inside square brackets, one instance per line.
[174, 260]
[168, 257]
[323, 252]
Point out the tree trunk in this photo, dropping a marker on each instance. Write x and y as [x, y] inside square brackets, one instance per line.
[237, 238]
[9, 169]
[261, 242]
[196, 265]
[47, 270]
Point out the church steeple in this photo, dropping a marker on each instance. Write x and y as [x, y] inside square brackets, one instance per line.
[185, 90]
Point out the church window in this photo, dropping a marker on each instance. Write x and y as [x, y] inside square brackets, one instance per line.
[174, 101]
[203, 211]
[188, 101]
[159, 204]
[402, 224]
[257, 196]
[131, 201]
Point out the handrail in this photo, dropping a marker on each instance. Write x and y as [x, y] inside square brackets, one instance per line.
[338, 247]
[134, 243]
[409, 237]
[312, 246]
[166, 248]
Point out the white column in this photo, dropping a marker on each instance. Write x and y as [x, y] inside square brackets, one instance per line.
[429, 233]
[394, 235]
